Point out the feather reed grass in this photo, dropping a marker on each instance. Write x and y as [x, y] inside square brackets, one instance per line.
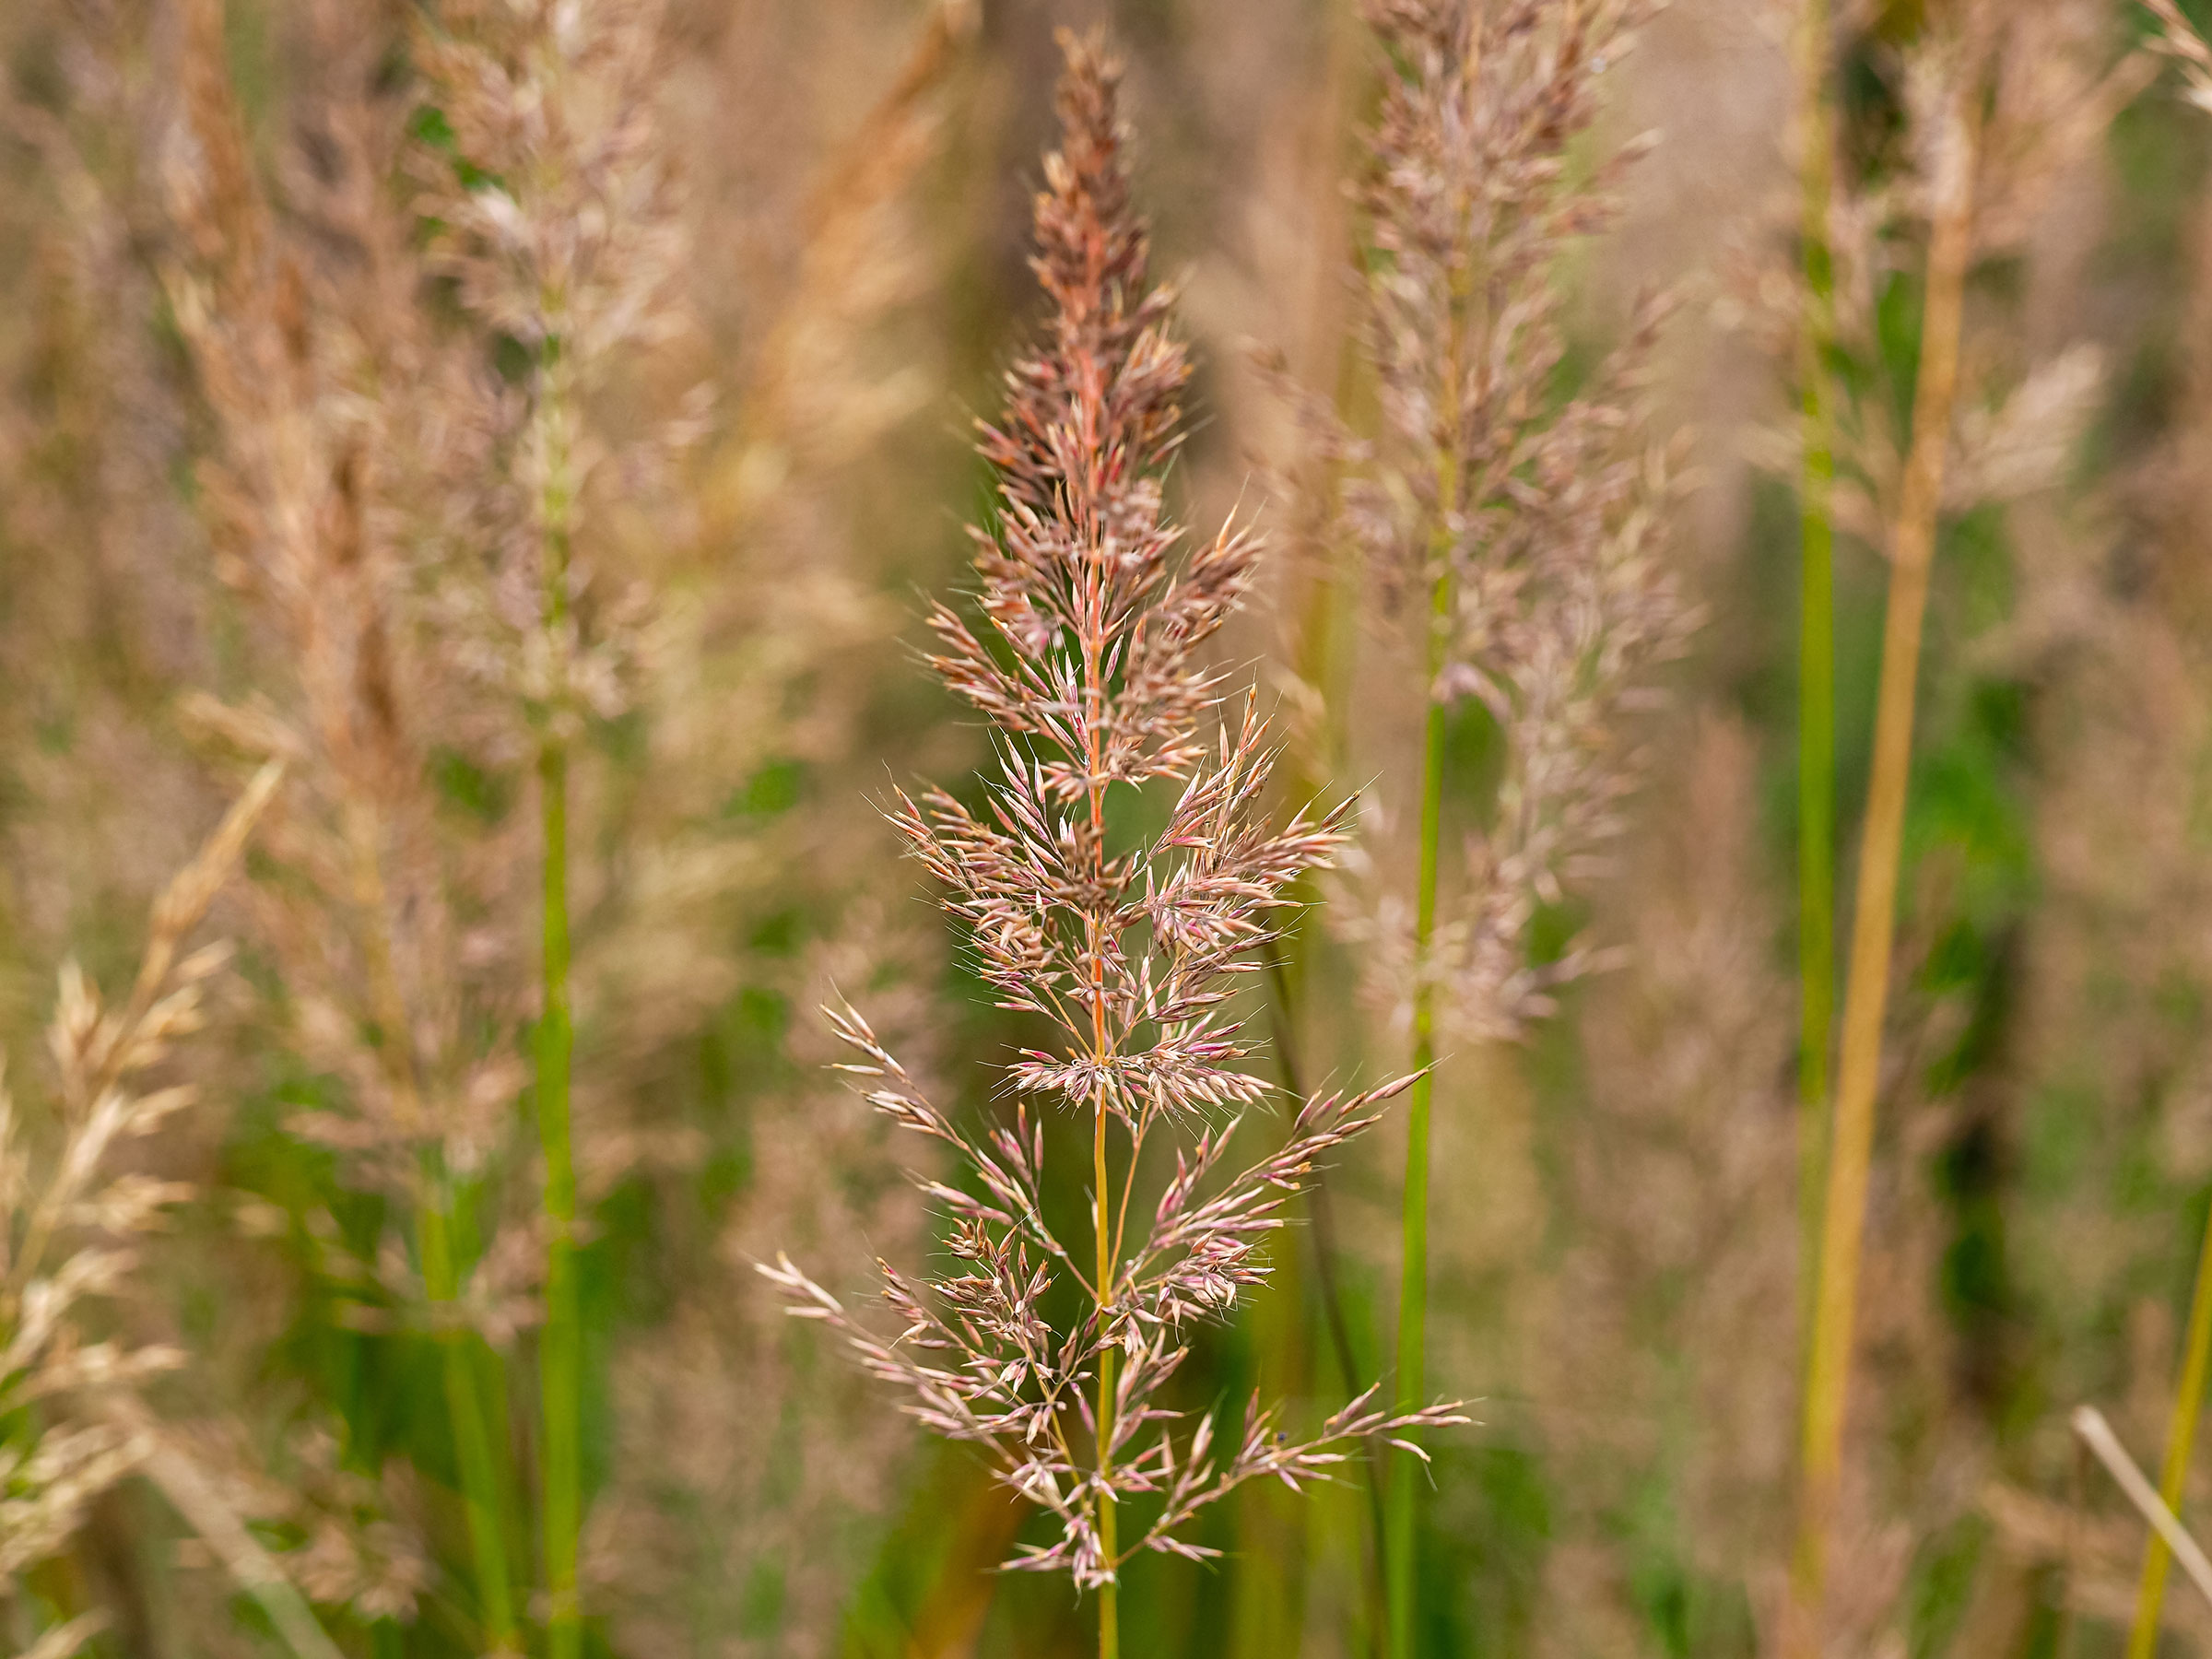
[1875, 907]
[68, 1231]
[1817, 621]
[1528, 529]
[438, 540]
[2179, 41]
[1093, 683]
[298, 503]
[1999, 101]
[548, 851]
[563, 238]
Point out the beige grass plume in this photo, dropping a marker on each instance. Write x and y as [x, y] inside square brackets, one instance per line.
[68, 1222]
[1125, 952]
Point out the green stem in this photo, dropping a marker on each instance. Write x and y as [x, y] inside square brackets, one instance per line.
[1272, 1583]
[1817, 648]
[2181, 1440]
[560, 1348]
[465, 1408]
[1320, 1218]
[1399, 1553]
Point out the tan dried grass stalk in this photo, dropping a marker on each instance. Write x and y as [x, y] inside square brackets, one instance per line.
[251, 1567]
[1874, 923]
[2165, 1525]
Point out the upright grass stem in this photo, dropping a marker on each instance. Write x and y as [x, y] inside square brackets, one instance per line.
[1319, 1214]
[464, 1411]
[560, 1355]
[1326, 644]
[1096, 615]
[1101, 1048]
[1109, 1627]
[1817, 637]
[2181, 41]
[483, 1495]
[1401, 1550]
[2180, 1442]
[1874, 922]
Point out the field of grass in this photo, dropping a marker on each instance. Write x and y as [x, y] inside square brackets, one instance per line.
[1410, 801]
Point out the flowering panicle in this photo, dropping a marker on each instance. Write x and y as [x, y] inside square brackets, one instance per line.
[341, 434]
[1088, 666]
[64, 1231]
[558, 222]
[1532, 524]
[2052, 97]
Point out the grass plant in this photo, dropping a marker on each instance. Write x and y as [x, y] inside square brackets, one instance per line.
[560, 1361]
[559, 237]
[1125, 952]
[72, 1231]
[1525, 527]
[1874, 925]
[299, 526]
[1999, 103]
[1400, 1541]
[356, 426]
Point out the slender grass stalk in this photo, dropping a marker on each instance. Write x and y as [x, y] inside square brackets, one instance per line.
[1325, 645]
[1319, 1214]
[1874, 922]
[465, 1410]
[2165, 1525]
[482, 1495]
[1815, 639]
[1110, 1613]
[2177, 40]
[560, 231]
[1093, 680]
[1400, 1566]
[1529, 520]
[2180, 1442]
[561, 1353]
[1322, 1233]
